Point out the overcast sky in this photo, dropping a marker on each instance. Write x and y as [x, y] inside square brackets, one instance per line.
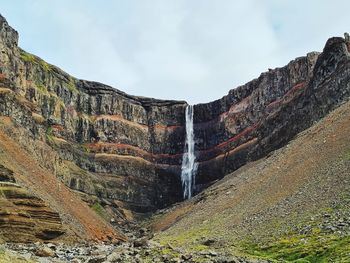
[195, 50]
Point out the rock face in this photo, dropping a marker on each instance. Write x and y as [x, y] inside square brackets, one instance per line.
[24, 217]
[266, 113]
[125, 147]
[128, 149]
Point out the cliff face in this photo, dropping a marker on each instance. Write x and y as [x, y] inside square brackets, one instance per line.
[266, 113]
[127, 150]
[125, 147]
[267, 205]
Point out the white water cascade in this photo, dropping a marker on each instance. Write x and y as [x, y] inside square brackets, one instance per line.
[189, 165]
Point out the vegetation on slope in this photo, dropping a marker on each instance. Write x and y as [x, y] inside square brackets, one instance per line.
[304, 248]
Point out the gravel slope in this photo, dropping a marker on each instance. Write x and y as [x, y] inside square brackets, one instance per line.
[292, 205]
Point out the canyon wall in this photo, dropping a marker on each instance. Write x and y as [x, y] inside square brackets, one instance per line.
[127, 150]
[269, 111]
[117, 146]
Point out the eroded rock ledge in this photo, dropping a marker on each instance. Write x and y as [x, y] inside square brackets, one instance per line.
[24, 217]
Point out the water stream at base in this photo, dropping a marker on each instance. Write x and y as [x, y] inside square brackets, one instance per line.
[189, 165]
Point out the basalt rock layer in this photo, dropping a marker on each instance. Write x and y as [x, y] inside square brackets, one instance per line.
[269, 111]
[121, 147]
[127, 150]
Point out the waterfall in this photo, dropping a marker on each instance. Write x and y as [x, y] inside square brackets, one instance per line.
[189, 165]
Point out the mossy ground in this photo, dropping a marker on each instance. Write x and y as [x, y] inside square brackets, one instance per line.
[169, 253]
[316, 246]
[27, 57]
[98, 208]
[303, 248]
[189, 239]
[346, 156]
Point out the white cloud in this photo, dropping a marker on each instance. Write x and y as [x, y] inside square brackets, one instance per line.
[176, 49]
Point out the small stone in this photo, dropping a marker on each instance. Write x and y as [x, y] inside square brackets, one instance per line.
[186, 257]
[51, 246]
[142, 242]
[154, 244]
[27, 256]
[209, 242]
[175, 260]
[113, 257]
[97, 259]
[45, 252]
[213, 253]
[143, 230]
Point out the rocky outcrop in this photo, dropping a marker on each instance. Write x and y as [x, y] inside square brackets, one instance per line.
[127, 150]
[24, 217]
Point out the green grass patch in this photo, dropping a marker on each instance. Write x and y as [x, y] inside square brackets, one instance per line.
[159, 252]
[30, 58]
[72, 86]
[170, 252]
[315, 248]
[42, 89]
[27, 57]
[85, 148]
[49, 134]
[189, 239]
[346, 156]
[201, 260]
[98, 208]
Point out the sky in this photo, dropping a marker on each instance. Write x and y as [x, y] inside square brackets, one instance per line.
[193, 50]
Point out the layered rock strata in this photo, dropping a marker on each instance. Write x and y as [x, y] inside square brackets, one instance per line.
[269, 111]
[127, 150]
[24, 217]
